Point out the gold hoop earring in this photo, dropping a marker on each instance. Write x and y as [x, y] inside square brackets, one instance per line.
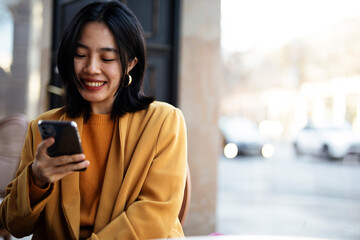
[129, 80]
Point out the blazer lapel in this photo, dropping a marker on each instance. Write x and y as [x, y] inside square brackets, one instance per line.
[70, 193]
[113, 176]
[70, 200]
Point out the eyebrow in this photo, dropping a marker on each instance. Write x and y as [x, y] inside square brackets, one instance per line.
[105, 49]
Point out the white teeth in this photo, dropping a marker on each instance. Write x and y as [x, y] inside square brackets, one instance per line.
[94, 84]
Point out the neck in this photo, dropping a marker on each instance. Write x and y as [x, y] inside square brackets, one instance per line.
[101, 109]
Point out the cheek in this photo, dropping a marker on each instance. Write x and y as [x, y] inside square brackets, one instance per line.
[77, 66]
[114, 72]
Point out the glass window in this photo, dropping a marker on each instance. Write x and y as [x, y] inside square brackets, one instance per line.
[6, 40]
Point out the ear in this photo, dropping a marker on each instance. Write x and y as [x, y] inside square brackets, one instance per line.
[131, 64]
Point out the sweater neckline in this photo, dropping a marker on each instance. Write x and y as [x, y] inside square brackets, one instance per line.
[100, 118]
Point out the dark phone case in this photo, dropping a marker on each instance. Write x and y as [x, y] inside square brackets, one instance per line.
[65, 133]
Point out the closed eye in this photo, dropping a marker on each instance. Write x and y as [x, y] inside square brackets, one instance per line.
[79, 55]
[108, 59]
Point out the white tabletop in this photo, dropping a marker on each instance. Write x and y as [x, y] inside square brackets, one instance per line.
[251, 237]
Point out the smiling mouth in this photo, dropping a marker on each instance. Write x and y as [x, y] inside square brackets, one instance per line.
[94, 84]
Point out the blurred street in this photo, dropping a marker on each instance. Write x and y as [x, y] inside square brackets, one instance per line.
[289, 195]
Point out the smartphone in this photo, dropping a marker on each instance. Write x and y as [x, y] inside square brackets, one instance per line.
[66, 135]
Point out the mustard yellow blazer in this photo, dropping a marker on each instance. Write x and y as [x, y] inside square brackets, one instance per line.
[143, 185]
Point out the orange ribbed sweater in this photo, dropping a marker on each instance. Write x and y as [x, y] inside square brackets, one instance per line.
[95, 140]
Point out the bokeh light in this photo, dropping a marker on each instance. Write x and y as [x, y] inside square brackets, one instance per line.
[230, 150]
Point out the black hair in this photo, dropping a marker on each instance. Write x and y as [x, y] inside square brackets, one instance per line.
[129, 37]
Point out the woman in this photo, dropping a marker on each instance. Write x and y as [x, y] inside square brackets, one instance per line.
[134, 148]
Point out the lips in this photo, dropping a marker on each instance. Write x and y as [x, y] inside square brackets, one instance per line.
[93, 84]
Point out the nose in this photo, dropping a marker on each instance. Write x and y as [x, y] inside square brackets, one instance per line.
[92, 66]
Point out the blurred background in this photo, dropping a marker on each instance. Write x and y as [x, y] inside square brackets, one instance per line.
[270, 91]
[289, 118]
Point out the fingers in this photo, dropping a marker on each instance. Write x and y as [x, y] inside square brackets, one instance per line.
[43, 146]
[68, 159]
[71, 167]
[50, 174]
[46, 169]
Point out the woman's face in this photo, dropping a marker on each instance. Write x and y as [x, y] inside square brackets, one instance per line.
[97, 66]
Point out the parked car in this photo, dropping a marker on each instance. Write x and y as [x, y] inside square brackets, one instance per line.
[333, 142]
[241, 136]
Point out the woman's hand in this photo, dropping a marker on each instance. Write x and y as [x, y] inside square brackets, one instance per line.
[46, 169]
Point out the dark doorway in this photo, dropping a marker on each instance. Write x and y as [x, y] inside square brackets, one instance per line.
[160, 20]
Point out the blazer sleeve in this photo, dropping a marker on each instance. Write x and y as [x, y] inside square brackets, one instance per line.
[16, 213]
[155, 213]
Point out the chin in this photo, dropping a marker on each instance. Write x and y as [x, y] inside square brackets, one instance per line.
[92, 99]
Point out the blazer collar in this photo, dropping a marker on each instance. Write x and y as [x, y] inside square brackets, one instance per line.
[114, 174]
[70, 191]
